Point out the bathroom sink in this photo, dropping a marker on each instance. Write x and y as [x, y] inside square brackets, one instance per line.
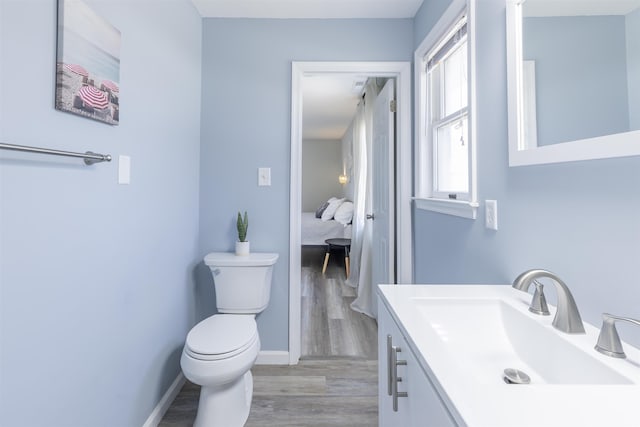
[471, 339]
[487, 336]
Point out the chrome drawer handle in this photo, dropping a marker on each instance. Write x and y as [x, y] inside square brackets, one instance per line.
[389, 374]
[395, 379]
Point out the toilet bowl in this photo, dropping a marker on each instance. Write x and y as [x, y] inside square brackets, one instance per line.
[220, 350]
[217, 355]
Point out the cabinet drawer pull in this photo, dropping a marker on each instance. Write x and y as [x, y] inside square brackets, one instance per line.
[395, 379]
[389, 374]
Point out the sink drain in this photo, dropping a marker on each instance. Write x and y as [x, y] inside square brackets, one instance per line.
[515, 376]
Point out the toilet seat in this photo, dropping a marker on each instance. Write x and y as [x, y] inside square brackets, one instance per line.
[221, 336]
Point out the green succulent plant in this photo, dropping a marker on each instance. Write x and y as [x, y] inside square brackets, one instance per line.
[242, 224]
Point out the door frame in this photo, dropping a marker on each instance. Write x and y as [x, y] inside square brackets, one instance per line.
[401, 72]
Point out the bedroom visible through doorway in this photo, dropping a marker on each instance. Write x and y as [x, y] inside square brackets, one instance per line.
[337, 300]
[397, 158]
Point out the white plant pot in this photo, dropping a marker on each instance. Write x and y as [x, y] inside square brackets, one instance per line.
[242, 248]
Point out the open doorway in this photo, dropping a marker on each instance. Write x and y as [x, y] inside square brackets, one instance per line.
[332, 284]
[337, 319]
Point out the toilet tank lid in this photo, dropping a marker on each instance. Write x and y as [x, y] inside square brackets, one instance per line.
[229, 259]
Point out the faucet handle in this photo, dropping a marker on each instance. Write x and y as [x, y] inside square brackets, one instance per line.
[539, 301]
[609, 341]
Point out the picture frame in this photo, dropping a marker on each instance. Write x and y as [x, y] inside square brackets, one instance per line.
[87, 64]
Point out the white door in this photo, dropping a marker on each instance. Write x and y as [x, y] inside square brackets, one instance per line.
[383, 181]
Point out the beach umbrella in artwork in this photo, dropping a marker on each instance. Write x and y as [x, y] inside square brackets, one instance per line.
[78, 69]
[93, 97]
[113, 87]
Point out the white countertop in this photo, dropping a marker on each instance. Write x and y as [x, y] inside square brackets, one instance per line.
[476, 402]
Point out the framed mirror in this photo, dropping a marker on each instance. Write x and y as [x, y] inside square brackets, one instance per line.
[573, 70]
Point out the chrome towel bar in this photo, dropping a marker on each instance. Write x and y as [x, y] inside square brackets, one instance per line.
[89, 157]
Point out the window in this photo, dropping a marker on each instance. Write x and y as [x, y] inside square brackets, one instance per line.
[445, 155]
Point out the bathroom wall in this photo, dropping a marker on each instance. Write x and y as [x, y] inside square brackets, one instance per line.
[632, 25]
[96, 286]
[577, 219]
[246, 92]
[581, 76]
[321, 165]
[426, 17]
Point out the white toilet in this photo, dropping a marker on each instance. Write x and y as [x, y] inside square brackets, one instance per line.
[220, 351]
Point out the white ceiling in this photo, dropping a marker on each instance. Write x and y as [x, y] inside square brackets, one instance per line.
[329, 103]
[307, 8]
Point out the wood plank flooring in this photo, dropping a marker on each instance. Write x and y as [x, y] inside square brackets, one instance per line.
[336, 381]
[314, 393]
[329, 326]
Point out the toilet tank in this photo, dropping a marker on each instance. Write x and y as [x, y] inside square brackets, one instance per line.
[243, 283]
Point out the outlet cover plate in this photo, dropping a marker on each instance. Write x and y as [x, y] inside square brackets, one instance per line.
[491, 214]
[264, 177]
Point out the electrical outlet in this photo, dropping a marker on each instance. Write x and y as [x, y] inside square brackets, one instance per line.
[491, 214]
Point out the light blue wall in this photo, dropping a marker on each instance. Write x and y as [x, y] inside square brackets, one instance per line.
[96, 287]
[246, 111]
[632, 24]
[581, 76]
[577, 219]
[426, 17]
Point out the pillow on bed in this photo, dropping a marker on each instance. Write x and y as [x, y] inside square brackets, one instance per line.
[331, 209]
[344, 214]
[321, 209]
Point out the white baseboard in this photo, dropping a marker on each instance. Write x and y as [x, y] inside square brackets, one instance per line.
[162, 406]
[273, 358]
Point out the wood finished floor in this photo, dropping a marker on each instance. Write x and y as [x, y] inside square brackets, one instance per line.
[314, 393]
[329, 326]
[336, 381]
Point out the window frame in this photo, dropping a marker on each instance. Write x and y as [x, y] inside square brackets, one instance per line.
[425, 197]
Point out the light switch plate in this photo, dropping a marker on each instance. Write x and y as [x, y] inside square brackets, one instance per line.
[124, 170]
[264, 177]
[491, 214]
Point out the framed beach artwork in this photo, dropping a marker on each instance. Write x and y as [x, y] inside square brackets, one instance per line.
[88, 63]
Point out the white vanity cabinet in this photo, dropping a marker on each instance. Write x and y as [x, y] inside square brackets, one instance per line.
[416, 401]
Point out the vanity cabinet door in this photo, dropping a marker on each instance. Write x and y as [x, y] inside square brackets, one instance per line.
[422, 405]
[425, 406]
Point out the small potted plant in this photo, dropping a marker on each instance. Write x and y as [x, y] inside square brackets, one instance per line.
[242, 245]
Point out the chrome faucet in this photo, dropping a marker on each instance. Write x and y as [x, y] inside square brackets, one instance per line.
[609, 340]
[539, 301]
[567, 318]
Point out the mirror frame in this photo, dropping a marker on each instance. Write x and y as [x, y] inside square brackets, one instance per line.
[602, 147]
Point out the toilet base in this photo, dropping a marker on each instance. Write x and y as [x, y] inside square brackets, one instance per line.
[225, 405]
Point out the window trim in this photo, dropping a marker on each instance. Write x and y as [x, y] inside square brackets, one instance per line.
[423, 173]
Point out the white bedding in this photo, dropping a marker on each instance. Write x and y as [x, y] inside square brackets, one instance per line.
[315, 231]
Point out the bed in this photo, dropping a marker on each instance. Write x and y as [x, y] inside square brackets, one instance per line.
[315, 231]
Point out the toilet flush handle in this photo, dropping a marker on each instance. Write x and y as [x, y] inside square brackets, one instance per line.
[215, 271]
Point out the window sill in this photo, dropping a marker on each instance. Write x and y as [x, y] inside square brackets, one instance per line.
[460, 208]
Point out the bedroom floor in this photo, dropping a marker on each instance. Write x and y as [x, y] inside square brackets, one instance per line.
[336, 381]
[329, 326]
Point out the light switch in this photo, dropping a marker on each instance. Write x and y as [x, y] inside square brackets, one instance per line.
[491, 214]
[264, 176]
[124, 169]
